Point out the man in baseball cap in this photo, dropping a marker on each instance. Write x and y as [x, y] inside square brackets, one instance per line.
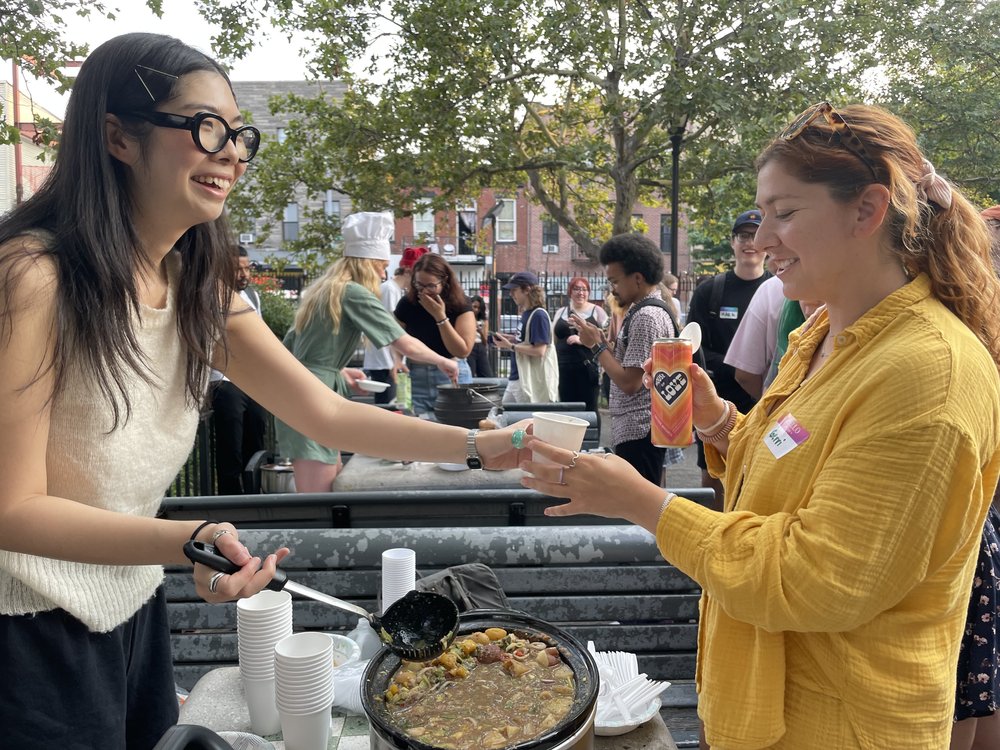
[718, 306]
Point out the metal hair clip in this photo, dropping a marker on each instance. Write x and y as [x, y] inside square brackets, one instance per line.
[151, 70]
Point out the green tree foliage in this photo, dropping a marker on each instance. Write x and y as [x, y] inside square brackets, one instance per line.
[33, 33]
[945, 81]
[576, 98]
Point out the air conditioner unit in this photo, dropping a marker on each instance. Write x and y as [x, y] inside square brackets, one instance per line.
[246, 238]
[550, 248]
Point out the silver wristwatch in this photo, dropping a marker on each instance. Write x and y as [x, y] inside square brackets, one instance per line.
[472, 458]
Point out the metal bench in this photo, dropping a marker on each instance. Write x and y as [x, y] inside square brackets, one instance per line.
[375, 509]
[604, 583]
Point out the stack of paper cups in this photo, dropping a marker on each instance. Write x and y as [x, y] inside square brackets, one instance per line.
[303, 688]
[262, 621]
[399, 575]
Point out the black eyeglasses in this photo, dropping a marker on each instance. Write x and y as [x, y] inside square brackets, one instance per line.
[210, 132]
[433, 285]
[579, 289]
[834, 119]
[744, 236]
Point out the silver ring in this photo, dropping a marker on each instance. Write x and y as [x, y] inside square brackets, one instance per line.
[562, 474]
[213, 583]
[217, 534]
[572, 462]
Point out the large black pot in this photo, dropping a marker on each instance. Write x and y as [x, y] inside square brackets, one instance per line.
[464, 405]
[575, 732]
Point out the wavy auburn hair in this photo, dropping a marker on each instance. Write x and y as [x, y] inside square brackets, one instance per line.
[951, 245]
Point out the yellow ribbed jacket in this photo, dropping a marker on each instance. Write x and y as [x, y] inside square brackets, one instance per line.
[837, 581]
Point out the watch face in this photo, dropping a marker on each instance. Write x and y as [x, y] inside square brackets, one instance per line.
[473, 462]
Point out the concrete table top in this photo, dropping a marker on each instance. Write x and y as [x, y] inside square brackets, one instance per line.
[363, 473]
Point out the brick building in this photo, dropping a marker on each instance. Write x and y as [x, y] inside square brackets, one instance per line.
[33, 171]
[524, 238]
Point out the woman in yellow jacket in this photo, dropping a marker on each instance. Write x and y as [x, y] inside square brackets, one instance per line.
[836, 581]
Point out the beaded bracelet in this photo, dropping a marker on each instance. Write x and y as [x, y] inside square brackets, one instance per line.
[721, 429]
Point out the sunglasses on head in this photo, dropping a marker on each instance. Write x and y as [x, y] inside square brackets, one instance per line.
[848, 138]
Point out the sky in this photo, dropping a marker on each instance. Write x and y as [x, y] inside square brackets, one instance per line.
[277, 59]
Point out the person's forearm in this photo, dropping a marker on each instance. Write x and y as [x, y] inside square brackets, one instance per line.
[415, 349]
[531, 350]
[628, 379]
[751, 383]
[456, 345]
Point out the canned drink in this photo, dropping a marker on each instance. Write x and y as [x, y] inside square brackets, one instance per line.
[671, 398]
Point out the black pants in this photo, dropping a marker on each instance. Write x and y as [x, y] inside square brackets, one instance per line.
[68, 688]
[579, 382]
[479, 361]
[644, 456]
[383, 376]
[240, 424]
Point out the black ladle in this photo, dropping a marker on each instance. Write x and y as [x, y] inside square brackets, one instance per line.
[417, 627]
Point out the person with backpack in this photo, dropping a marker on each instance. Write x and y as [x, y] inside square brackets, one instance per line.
[634, 268]
[718, 306]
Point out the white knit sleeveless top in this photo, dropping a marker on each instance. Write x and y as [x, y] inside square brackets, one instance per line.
[126, 470]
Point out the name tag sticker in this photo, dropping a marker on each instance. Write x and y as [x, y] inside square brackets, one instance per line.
[729, 313]
[785, 436]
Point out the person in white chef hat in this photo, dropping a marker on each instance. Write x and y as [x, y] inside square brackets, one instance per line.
[336, 310]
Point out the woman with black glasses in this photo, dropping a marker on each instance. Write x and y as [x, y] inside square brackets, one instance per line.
[836, 581]
[435, 311]
[116, 299]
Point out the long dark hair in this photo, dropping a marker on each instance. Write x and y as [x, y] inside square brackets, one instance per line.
[82, 216]
[451, 290]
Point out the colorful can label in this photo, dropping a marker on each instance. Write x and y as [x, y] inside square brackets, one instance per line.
[670, 419]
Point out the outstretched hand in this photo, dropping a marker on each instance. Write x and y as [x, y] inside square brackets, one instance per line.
[706, 404]
[601, 485]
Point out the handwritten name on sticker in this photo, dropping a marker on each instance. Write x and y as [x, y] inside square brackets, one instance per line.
[785, 436]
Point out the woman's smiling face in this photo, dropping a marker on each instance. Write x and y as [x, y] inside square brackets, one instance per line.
[806, 232]
[177, 185]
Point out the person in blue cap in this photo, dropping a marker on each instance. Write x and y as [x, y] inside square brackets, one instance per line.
[534, 368]
[718, 307]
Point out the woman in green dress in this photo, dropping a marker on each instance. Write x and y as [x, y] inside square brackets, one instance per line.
[336, 310]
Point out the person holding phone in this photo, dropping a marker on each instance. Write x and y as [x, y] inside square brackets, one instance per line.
[435, 311]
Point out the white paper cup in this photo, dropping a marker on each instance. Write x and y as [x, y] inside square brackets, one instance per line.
[306, 731]
[264, 603]
[264, 719]
[560, 430]
[303, 647]
[399, 575]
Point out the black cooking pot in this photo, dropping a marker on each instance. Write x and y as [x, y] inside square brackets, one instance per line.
[464, 405]
[575, 732]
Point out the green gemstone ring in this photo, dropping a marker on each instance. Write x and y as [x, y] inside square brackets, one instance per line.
[518, 439]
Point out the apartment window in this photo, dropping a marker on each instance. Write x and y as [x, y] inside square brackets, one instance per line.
[423, 224]
[666, 232]
[550, 232]
[290, 223]
[506, 222]
[331, 204]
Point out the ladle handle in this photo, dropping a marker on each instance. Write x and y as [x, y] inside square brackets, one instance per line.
[207, 554]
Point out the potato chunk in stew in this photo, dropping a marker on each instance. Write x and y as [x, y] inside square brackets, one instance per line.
[506, 690]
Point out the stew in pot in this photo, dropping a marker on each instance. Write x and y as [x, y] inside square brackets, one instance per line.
[491, 689]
